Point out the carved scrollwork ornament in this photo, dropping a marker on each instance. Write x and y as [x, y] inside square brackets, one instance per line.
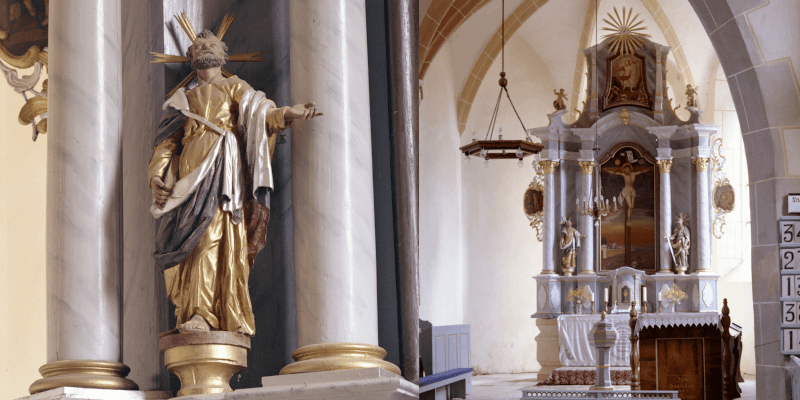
[35, 101]
[723, 196]
[533, 205]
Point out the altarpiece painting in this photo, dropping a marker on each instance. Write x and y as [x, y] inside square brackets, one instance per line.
[629, 235]
[626, 82]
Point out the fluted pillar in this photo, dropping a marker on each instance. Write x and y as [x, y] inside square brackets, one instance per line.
[84, 199]
[550, 223]
[665, 205]
[586, 221]
[703, 230]
[334, 221]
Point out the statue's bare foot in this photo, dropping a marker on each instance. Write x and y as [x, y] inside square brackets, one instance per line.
[196, 323]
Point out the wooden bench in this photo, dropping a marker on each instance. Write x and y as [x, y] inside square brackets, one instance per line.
[445, 385]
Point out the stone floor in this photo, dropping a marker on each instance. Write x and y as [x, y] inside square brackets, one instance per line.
[509, 386]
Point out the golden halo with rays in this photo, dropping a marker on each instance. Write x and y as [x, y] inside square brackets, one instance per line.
[183, 21]
[626, 32]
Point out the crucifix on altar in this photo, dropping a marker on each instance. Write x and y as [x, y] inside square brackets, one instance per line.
[628, 235]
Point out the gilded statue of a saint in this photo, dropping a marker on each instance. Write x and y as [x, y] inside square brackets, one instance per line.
[569, 243]
[211, 179]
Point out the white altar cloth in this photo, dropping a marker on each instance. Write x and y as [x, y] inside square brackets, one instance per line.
[574, 349]
[678, 319]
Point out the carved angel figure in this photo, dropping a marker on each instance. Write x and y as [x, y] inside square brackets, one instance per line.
[559, 102]
[691, 96]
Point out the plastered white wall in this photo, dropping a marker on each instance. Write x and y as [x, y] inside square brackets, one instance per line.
[440, 234]
[23, 164]
[501, 251]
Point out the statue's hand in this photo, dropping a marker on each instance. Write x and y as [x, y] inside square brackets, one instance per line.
[160, 192]
[302, 111]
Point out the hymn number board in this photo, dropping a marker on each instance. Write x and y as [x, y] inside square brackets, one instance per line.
[789, 261]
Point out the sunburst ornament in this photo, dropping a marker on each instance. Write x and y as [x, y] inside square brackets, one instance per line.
[626, 32]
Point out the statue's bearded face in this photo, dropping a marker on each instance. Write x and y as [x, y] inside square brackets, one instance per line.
[207, 52]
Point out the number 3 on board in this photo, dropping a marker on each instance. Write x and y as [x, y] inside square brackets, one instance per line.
[790, 234]
[789, 312]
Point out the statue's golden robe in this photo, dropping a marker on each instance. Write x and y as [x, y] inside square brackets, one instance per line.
[212, 280]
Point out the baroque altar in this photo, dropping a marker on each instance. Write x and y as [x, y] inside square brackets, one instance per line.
[637, 182]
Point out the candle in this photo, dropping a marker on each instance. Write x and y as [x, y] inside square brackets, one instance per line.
[605, 295]
[592, 296]
[659, 296]
[644, 293]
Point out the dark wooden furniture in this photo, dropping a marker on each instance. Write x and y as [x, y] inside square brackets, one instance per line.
[700, 362]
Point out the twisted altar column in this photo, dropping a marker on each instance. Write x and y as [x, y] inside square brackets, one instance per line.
[550, 223]
[665, 256]
[84, 198]
[587, 222]
[334, 220]
[703, 231]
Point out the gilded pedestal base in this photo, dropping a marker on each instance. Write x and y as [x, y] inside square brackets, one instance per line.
[205, 361]
[337, 356]
[83, 374]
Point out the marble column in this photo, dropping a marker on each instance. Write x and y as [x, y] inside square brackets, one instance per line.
[84, 199]
[586, 221]
[703, 229]
[334, 221]
[665, 207]
[550, 224]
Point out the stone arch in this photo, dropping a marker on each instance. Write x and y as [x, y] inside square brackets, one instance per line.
[766, 95]
[441, 19]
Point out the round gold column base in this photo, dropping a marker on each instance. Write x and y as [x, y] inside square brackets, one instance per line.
[336, 356]
[205, 361]
[84, 374]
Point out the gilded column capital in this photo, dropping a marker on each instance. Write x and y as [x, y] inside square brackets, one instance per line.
[701, 163]
[549, 166]
[664, 166]
[586, 167]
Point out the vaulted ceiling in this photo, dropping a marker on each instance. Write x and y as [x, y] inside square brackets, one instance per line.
[557, 30]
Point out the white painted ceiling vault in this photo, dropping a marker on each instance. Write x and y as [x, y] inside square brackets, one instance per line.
[559, 29]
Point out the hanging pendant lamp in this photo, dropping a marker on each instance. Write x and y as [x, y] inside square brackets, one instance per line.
[488, 148]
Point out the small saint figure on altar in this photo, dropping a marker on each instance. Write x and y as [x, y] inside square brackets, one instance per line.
[680, 241]
[569, 243]
[211, 178]
[691, 96]
[628, 194]
[559, 103]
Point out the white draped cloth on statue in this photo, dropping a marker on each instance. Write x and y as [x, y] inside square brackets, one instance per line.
[574, 349]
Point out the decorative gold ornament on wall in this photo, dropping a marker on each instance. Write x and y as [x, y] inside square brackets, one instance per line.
[533, 204]
[723, 197]
[23, 35]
